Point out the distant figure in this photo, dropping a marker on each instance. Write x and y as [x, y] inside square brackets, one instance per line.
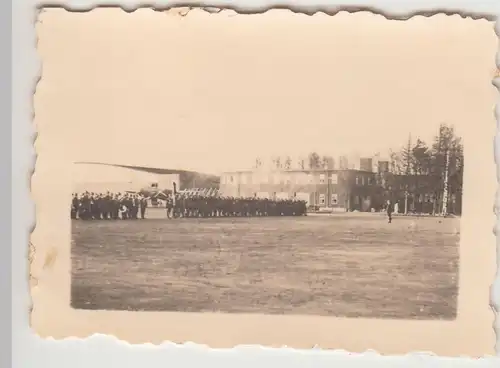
[75, 204]
[389, 211]
[169, 206]
[143, 203]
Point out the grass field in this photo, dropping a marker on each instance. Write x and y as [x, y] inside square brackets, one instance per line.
[340, 265]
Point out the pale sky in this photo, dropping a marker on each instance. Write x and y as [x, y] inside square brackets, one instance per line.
[213, 92]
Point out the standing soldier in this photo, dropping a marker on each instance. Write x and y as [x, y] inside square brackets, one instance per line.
[125, 207]
[169, 204]
[137, 204]
[75, 203]
[143, 203]
[85, 210]
[389, 210]
[107, 206]
[115, 207]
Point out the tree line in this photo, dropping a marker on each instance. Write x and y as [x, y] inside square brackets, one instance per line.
[312, 161]
[433, 171]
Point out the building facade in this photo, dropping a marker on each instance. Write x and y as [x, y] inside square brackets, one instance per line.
[343, 190]
[421, 193]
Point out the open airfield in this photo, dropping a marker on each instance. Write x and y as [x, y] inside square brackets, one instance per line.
[345, 265]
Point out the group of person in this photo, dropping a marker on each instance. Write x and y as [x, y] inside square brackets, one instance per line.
[114, 206]
[108, 206]
[220, 206]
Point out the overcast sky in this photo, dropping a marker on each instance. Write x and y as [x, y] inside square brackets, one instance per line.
[212, 92]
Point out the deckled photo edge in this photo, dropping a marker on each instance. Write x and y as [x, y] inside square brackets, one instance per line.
[38, 252]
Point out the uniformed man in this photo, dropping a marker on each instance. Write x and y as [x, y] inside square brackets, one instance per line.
[169, 205]
[143, 203]
[75, 204]
[136, 206]
[389, 210]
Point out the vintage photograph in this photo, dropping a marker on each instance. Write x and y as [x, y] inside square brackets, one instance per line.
[323, 234]
[277, 178]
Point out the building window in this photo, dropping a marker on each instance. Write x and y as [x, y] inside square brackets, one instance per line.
[322, 178]
[335, 198]
[369, 180]
[243, 179]
[154, 185]
[231, 179]
[310, 179]
[322, 199]
[362, 180]
[357, 180]
[334, 178]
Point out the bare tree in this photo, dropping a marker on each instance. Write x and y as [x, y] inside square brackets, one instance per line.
[258, 163]
[302, 163]
[327, 162]
[314, 161]
[277, 162]
[288, 163]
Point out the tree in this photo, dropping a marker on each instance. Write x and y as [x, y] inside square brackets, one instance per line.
[327, 162]
[421, 170]
[446, 167]
[396, 163]
[277, 163]
[302, 163]
[314, 161]
[258, 163]
[421, 158]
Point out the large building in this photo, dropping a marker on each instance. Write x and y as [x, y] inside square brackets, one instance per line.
[344, 190]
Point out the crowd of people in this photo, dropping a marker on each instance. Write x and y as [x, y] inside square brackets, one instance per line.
[114, 206]
[108, 206]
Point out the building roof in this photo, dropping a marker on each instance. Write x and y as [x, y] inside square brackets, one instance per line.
[297, 170]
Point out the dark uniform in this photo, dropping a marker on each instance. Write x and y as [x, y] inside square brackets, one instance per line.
[169, 205]
[390, 210]
[143, 205]
[75, 204]
[109, 206]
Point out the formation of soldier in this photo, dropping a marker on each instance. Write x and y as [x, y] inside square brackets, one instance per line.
[216, 206]
[114, 206]
[108, 206]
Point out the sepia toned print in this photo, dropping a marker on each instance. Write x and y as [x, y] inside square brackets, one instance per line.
[272, 179]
